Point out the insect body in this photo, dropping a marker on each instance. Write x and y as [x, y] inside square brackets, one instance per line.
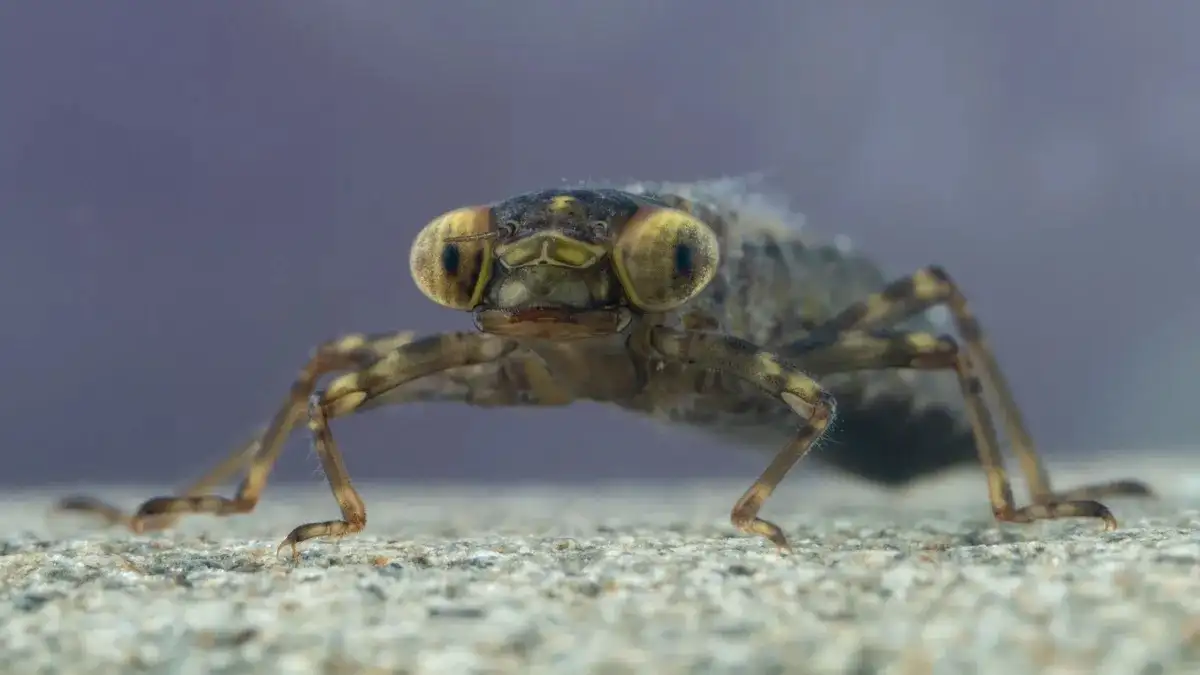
[693, 303]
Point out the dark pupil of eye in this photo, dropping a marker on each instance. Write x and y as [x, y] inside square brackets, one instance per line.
[450, 259]
[683, 259]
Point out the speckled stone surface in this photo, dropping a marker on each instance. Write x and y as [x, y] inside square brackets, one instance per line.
[612, 580]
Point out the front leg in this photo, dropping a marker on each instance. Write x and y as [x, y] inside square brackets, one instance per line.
[379, 364]
[354, 511]
[354, 350]
[472, 376]
[509, 381]
[801, 393]
[932, 286]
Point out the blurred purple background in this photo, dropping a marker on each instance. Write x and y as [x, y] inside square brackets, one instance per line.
[192, 195]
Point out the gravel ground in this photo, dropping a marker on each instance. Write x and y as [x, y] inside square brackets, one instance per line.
[612, 580]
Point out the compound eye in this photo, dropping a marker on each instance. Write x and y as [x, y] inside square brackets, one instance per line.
[451, 258]
[664, 257]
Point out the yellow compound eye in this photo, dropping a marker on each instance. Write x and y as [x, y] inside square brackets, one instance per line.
[451, 258]
[664, 257]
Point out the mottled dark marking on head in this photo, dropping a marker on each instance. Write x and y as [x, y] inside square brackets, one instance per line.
[535, 211]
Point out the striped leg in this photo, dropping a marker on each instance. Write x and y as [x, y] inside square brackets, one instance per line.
[927, 288]
[802, 394]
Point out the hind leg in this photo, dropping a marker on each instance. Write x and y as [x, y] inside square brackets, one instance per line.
[930, 287]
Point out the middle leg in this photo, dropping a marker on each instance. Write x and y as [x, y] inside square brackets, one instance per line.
[354, 511]
[803, 395]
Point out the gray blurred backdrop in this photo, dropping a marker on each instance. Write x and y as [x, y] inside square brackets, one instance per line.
[192, 195]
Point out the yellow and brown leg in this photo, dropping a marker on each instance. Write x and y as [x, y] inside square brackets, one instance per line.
[355, 350]
[509, 382]
[521, 379]
[115, 516]
[354, 511]
[379, 364]
[480, 379]
[932, 286]
[802, 394]
[873, 350]
[344, 395]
